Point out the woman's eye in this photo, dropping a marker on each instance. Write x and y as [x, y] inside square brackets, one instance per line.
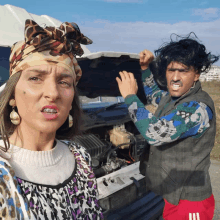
[65, 83]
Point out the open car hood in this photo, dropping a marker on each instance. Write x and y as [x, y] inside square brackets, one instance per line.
[99, 72]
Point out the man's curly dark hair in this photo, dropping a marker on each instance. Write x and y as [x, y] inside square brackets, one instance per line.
[185, 50]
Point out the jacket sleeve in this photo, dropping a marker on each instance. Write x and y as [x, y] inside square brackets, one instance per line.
[152, 91]
[188, 119]
[12, 205]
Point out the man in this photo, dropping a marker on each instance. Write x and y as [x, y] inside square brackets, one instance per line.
[181, 133]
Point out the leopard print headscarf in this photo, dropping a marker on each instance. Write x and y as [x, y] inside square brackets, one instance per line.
[49, 45]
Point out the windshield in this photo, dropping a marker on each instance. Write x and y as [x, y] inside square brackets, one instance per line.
[4, 64]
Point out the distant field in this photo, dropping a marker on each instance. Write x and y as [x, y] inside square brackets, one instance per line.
[213, 88]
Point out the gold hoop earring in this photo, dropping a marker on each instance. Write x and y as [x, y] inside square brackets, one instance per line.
[14, 116]
[70, 121]
[70, 118]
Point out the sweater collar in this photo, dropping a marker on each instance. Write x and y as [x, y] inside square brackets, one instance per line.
[37, 158]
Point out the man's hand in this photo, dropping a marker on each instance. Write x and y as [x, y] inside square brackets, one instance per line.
[127, 84]
[146, 57]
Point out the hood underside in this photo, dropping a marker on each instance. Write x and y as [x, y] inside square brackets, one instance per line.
[99, 72]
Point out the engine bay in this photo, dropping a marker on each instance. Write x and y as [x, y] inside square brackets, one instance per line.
[112, 147]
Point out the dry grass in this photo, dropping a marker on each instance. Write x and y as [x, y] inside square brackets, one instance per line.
[213, 88]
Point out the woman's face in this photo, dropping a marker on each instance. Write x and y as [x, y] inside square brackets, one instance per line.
[44, 96]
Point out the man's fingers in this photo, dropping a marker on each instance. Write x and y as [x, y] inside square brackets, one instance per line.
[146, 57]
[126, 75]
[127, 84]
[144, 52]
[131, 76]
[123, 77]
[118, 80]
[141, 54]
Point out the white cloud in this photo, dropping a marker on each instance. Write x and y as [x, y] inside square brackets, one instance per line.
[136, 36]
[207, 13]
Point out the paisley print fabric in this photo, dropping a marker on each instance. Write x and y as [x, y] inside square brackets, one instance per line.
[12, 204]
[54, 45]
[75, 198]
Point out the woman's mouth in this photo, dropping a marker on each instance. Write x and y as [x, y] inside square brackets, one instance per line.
[50, 112]
[50, 116]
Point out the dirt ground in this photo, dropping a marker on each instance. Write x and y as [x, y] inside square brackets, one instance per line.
[213, 88]
[214, 172]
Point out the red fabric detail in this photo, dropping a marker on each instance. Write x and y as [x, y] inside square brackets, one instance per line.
[13, 58]
[205, 208]
[19, 57]
[22, 48]
[57, 43]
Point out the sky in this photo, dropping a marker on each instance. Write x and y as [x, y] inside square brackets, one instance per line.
[134, 25]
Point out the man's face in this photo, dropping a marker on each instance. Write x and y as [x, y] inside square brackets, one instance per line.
[180, 78]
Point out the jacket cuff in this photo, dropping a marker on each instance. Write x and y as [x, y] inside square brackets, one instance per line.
[145, 73]
[129, 99]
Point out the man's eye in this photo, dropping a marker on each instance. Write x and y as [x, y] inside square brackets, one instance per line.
[184, 70]
[34, 78]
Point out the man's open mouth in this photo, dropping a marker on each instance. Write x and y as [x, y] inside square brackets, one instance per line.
[176, 85]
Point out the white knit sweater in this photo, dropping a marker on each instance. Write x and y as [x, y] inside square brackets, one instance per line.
[43, 167]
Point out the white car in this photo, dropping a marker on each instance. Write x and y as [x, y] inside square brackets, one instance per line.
[110, 136]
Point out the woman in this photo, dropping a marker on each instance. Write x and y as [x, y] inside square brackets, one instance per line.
[41, 177]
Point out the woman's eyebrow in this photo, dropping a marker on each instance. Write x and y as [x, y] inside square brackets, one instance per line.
[42, 72]
[65, 75]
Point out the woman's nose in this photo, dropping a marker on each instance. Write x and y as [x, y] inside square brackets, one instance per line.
[51, 90]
